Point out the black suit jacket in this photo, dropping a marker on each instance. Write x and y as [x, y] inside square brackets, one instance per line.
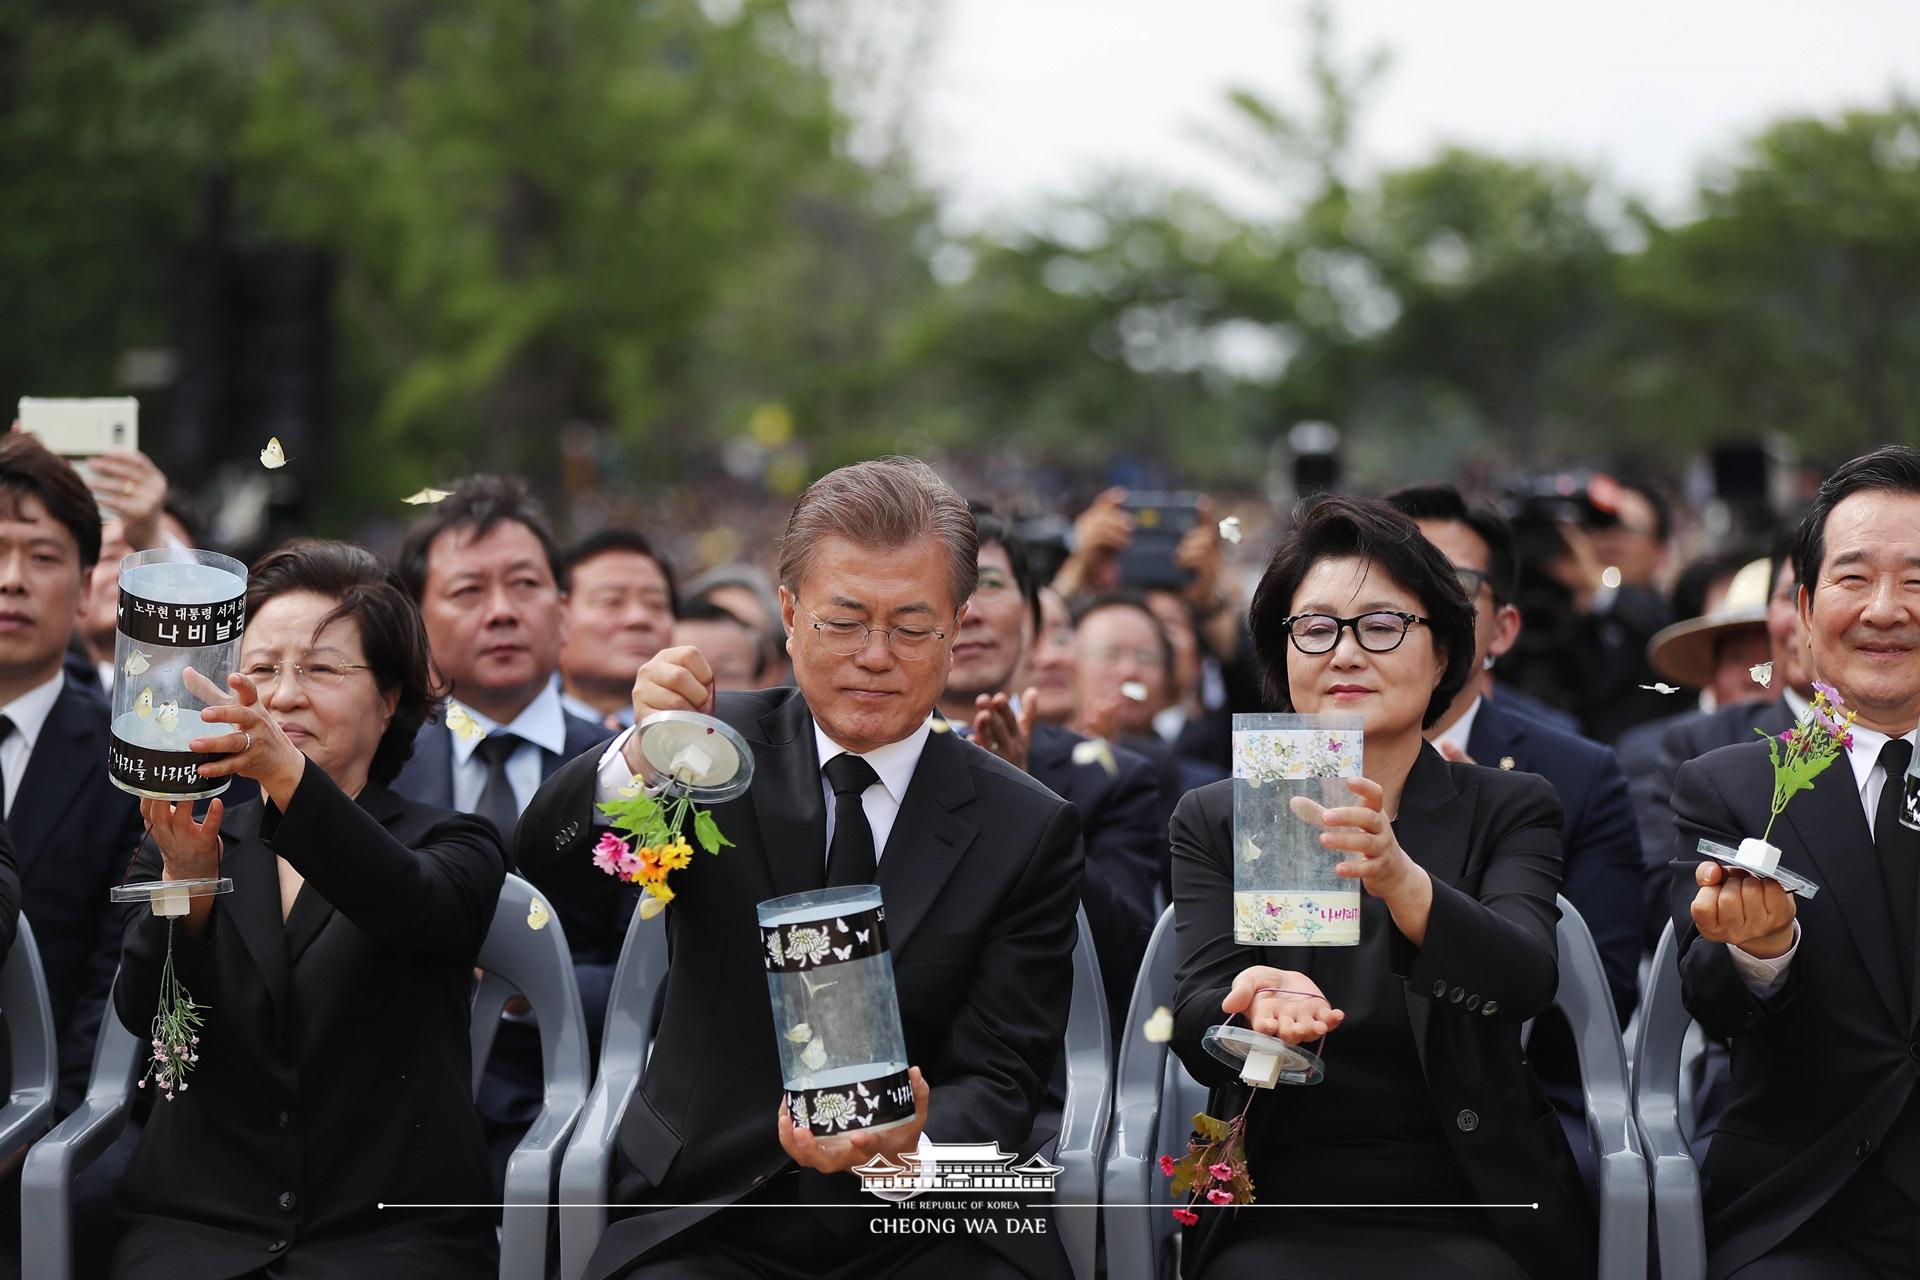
[1601, 859]
[981, 876]
[1122, 824]
[335, 1069]
[1491, 842]
[1685, 738]
[1823, 1066]
[74, 834]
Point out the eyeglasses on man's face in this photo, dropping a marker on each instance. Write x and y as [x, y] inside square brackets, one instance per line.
[844, 637]
[1378, 632]
[309, 675]
[1471, 580]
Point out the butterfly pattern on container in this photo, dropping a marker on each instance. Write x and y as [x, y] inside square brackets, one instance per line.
[1282, 755]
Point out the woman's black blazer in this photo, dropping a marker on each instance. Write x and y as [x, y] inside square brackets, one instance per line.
[335, 1069]
[1491, 841]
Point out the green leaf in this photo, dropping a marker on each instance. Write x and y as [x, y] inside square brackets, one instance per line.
[707, 832]
[1209, 1128]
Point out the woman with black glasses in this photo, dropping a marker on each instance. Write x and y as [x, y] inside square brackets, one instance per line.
[1427, 1099]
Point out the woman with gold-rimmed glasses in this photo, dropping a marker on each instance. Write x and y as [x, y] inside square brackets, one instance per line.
[334, 1067]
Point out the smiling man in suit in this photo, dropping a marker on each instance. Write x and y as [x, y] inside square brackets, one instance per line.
[1815, 1167]
[979, 864]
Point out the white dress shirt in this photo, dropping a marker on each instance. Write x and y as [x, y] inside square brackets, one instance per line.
[29, 714]
[894, 762]
[1764, 977]
[1460, 730]
[541, 725]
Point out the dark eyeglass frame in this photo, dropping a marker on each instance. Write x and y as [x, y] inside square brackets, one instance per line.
[1471, 579]
[1407, 622]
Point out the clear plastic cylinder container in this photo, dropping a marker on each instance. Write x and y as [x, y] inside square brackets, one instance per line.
[1285, 893]
[179, 608]
[836, 1012]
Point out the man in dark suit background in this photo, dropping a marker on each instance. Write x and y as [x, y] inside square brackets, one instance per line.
[1601, 852]
[979, 864]
[1815, 1167]
[72, 831]
[486, 572]
[1115, 790]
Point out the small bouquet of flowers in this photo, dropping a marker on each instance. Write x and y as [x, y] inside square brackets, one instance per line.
[654, 842]
[1214, 1168]
[1799, 755]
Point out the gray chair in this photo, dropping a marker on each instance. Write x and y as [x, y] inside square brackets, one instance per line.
[23, 1002]
[535, 964]
[586, 1173]
[586, 1170]
[1679, 1231]
[1156, 1097]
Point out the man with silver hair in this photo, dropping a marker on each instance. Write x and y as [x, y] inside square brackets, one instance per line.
[981, 871]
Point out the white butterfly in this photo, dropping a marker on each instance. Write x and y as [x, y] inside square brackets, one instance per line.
[861, 934]
[143, 705]
[427, 497]
[1134, 691]
[814, 1055]
[461, 721]
[136, 663]
[537, 915]
[1249, 851]
[1661, 687]
[843, 953]
[841, 925]
[273, 457]
[1230, 529]
[167, 715]
[1762, 673]
[862, 1090]
[1159, 1028]
[800, 1033]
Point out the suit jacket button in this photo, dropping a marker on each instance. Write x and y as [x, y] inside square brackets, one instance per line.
[1489, 1007]
[286, 1119]
[1473, 1002]
[1468, 1121]
[276, 1246]
[1913, 1051]
[1861, 1152]
[1459, 994]
[286, 1201]
[1439, 988]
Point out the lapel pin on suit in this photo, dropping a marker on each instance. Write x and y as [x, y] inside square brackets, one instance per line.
[1506, 762]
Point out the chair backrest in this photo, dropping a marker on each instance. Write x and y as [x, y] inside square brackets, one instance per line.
[1086, 1113]
[29, 1019]
[1679, 1233]
[1137, 1237]
[639, 979]
[536, 964]
[1583, 996]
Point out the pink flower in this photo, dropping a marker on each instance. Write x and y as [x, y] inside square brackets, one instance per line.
[630, 864]
[608, 853]
[1833, 694]
[1166, 1165]
[1786, 736]
[1847, 742]
[1186, 1217]
[1222, 1172]
[1215, 1196]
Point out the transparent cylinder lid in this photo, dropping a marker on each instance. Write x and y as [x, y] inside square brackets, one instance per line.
[170, 897]
[836, 1010]
[1264, 1061]
[696, 755]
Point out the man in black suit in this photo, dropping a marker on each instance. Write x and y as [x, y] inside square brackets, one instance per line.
[1115, 790]
[486, 572]
[1815, 1168]
[980, 866]
[72, 831]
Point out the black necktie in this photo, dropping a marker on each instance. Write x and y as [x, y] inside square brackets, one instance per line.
[1899, 848]
[850, 857]
[6, 731]
[497, 804]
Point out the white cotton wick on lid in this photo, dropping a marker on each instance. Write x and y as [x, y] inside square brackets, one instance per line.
[1757, 855]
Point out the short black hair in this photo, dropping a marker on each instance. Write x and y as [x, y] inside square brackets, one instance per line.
[599, 544]
[997, 528]
[1893, 468]
[1438, 501]
[365, 589]
[1339, 524]
[479, 502]
[1127, 599]
[701, 609]
[1656, 498]
[29, 469]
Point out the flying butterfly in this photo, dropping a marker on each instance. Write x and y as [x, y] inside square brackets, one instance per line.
[427, 497]
[537, 915]
[1762, 673]
[1661, 687]
[1230, 529]
[464, 726]
[273, 457]
[137, 663]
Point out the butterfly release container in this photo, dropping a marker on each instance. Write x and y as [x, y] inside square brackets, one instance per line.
[1285, 892]
[836, 1011]
[179, 608]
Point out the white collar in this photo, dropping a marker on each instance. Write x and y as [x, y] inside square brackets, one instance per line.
[30, 710]
[1796, 705]
[1460, 730]
[543, 722]
[894, 762]
[1865, 753]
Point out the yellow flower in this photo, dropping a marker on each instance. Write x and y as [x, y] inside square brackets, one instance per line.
[660, 891]
[676, 855]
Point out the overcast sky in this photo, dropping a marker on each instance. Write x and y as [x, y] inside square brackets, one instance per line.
[1028, 97]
